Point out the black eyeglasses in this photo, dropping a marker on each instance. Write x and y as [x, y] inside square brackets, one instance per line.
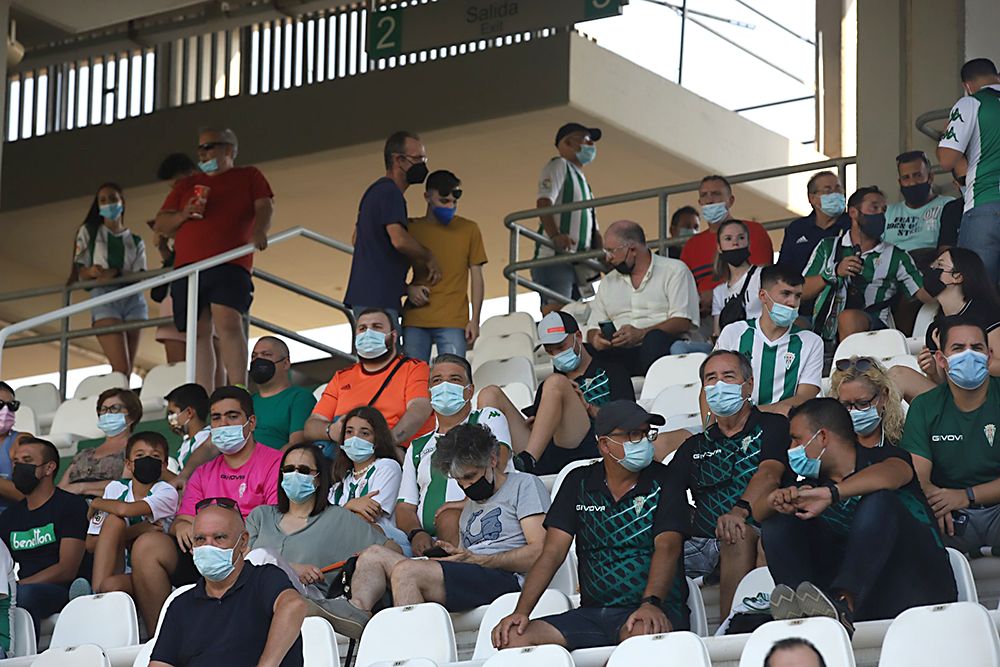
[13, 405]
[211, 145]
[860, 405]
[224, 503]
[111, 409]
[456, 193]
[861, 363]
[635, 436]
[304, 469]
[910, 156]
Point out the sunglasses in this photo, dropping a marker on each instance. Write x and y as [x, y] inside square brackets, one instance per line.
[304, 469]
[13, 405]
[211, 145]
[456, 193]
[224, 503]
[861, 363]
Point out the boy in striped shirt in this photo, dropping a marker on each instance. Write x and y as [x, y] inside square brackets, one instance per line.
[787, 361]
[856, 276]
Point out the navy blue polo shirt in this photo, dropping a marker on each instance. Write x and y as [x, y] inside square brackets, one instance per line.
[802, 236]
[199, 630]
[378, 270]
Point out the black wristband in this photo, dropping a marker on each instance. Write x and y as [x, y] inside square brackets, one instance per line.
[653, 600]
[413, 533]
[971, 495]
[834, 492]
[743, 504]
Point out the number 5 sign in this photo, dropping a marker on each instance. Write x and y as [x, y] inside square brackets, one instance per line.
[385, 33]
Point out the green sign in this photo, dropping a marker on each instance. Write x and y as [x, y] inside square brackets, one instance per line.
[599, 9]
[385, 31]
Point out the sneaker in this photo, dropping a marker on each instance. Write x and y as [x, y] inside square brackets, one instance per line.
[760, 603]
[784, 605]
[79, 588]
[815, 602]
[345, 618]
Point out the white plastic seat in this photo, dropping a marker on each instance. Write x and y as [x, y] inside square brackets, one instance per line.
[142, 659]
[412, 662]
[319, 643]
[43, 398]
[964, 580]
[580, 310]
[566, 580]
[670, 370]
[420, 631]
[505, 371]
[826, 634]
[511, 345]
[107, 619]
[677, 399]
[690, 421]
[166, 603]
[925, 316]
[23, 640]
[548, 655]
[696, 607]
[961, 633]
[160, 381]
[25, 420]
[318, 392]
[672, 648]
[569, 467]
[95, 384]
[519, 394]
[75, 420]
[551, 602]
[501, 325]
[755, 581]
[83, 655]
[907, 360]
[883, 344]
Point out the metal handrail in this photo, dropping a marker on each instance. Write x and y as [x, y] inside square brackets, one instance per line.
[149, 280]
[925, 118]
[662, 243]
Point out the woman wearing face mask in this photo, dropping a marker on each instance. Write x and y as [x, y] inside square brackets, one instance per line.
[303, 533]
[735, 298]
[863, 386]
[118, 411]
[954, 279]
[106, 249]
[366, 472]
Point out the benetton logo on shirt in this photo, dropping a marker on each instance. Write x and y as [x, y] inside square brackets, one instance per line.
[33, 538]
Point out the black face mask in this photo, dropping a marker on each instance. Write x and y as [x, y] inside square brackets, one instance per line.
[736, 256]
[873, 225]
[23, 476]
[417, 173]
[261, 370]
[147, 469]
[932, 281]
[480, 490]
[916, 195]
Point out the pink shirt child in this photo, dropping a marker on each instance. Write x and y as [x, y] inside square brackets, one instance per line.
[252, 484]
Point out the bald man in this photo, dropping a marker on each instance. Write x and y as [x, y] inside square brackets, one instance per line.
[650, 301]
[237, 613]
[281, 408]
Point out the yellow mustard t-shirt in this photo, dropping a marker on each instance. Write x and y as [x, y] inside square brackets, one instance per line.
[456, 246]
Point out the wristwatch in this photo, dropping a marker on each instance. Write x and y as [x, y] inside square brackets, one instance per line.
[413, 533]
[653, 600]
[743, 504]
[834, 492]
[971, 495]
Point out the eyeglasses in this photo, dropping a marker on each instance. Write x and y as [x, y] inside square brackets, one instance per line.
[13, 405]
[413, 158]
[456, 194]
[860, 405]
[860, 363]
[224, 503]
[111, 409]
[610, 252]
[304, 469]
[212, 145]
[636, 436]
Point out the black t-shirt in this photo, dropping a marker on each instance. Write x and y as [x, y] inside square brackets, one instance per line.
[199, 630]
[717, 469]
[600, 384]
[33, 536]
[986, 317]
[951, 222]
[615, 540]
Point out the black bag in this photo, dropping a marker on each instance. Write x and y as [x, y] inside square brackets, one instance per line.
[341, 584]
[735, 309]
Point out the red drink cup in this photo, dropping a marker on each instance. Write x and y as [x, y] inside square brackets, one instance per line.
[199, 201]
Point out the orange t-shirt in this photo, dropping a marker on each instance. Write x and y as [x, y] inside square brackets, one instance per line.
[700, 250]
[354, 386]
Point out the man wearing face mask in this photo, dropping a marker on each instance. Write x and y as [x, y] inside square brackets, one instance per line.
[787, 361]
[44, 532]
[237, 613]
[384, 250]
[914, 223]
[500, 538]
[951, 430]
[650, 300]
[629, 516]
[280, 407]
[856, 276]
[684, 224]
[247, 472]
[856, 540]
[8, 436]
[740, 458]
[439, 314]
[563, 182]
[383, 378]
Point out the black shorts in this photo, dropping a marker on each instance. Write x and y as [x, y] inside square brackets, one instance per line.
[227, 285]
[467, 586]
[185, 572]
[591, 627]
[556, 458]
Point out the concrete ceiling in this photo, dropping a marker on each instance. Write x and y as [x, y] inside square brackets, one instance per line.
[77, 16]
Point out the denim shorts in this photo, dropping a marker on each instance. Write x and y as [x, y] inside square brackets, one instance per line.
[127, 309]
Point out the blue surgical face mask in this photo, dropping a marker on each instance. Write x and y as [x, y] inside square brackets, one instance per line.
[112, 424]
[782, 315]
[111, 211]
[448, 398]
[209, 166]
[357, 449]
[865, 421]
[800, 462]
[968, 369]
[685, 232]
[716, 212]
[297, 486]
[229, 439]
[638, 455]
[215, 564]
[567, 361]
[370, 344]
[724, 399]
[586, 154]
[444, 213]
[833, 203]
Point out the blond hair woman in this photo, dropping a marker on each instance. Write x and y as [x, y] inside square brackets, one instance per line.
[863, 386]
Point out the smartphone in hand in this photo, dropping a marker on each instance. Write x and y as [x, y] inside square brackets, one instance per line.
[608, 329]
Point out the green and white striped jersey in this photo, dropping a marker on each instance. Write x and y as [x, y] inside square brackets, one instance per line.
[562, 182]
[974, 129]
[124, 251]
[886, 271]
[779, 366]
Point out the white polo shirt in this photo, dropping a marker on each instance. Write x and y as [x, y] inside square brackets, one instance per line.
[667, 290]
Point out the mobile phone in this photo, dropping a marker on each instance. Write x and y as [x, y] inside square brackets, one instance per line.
[436, 552]
[607, 329]
[959, 521]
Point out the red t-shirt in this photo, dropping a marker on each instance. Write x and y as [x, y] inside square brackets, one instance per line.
[229, 214]
[700, 250]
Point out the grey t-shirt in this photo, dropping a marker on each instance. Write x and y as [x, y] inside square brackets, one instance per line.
[494, 526]
[329, 537]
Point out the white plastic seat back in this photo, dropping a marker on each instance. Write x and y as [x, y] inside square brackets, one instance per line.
[412, 662]
[677, 399]
[924, 318]
[25, 420]
[95, 384]
[142, 659]
[504, 347]
[162, 379]
[569, 467]
[84, 655]
[77, 417]
[505, 371]
[964, 580]
[826, 634]
[907, 360]
[883, 344]
[690, 422]
[755, 581]
[672, 648]
[23, 640]
[417, 631]
[318, 392]
[548, 655]
[696, 607]
[319, 643]
[551, 602]
[108, 620]
[501, 325]
[669, 370]
[566, 580]
[166, 603]
[519, 394]
[43, 398]
[961, 633]
[580, 310]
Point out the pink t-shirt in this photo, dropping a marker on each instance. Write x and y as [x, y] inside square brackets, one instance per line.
[253, 483]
